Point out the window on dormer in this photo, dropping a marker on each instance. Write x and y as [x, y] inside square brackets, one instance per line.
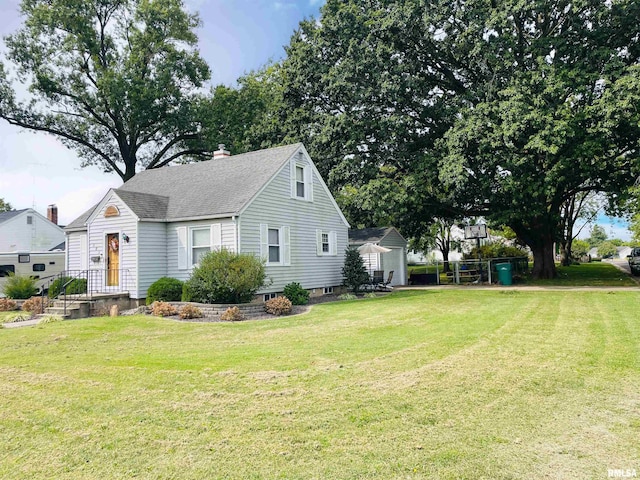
[300, 182]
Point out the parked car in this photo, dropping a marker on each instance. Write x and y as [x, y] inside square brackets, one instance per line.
[634, 261]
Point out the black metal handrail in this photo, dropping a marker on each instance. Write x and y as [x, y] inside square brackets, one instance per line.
[96, 283]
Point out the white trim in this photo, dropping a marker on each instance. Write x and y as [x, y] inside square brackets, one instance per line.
[216, 236]
[84, 251]
[332, 240]
[183, 257]
[264, 243]
[104, 201]
[286, 246]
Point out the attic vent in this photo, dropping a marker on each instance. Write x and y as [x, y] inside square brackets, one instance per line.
[221, 152]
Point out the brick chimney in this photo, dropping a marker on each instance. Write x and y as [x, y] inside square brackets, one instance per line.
[221, 152]
[52, 214]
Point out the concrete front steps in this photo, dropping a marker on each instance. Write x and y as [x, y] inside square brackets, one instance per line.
[75, 309]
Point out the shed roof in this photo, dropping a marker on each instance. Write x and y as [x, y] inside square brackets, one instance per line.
[370, 235]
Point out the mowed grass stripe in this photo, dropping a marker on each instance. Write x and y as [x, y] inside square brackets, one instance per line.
[417, 384]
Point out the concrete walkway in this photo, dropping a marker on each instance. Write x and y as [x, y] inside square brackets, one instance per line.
[24, 323]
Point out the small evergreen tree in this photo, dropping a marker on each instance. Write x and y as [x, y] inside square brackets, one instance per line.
[354, 272]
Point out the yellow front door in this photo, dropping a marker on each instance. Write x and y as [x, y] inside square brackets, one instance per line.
[113, 259]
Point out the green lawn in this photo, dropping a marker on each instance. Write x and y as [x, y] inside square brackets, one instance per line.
[418, 384]
[596, 274]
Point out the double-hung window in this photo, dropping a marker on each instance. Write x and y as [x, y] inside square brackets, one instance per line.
[196, 241]
[326, 243]
[301, 180]
[324, 240]
[275, 245]
[200, 244]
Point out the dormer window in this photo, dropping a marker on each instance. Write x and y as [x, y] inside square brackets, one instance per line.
[300, 181]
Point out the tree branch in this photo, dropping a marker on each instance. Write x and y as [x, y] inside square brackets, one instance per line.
[157, 160]
[192, 151]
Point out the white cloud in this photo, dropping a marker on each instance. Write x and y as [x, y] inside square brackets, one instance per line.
[283, 5]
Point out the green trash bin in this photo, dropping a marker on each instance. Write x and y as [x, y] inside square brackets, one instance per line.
[504, 273]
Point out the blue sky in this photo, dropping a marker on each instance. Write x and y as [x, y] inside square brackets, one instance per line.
[236, 36]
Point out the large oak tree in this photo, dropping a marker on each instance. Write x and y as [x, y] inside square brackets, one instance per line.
[483, 107]
[116, 80]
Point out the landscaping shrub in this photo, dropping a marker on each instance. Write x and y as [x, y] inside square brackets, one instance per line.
[19, 287]
[354, 273]
[186, 292]
[15, 317]
[165, 289]
[77, 286]
[347, 296]
[6, 305]
[297, 294]
[496, 250]
[278, 306]
[35, 304]
[50, 319]
[225, 277]
[190, 311]
[163, 309]
[232, 314]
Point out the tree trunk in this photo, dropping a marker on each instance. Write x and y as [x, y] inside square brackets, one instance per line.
[565, 253]
[445, 260]
[544, 265]
[540, 240]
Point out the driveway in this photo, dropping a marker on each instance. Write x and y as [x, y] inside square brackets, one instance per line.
[622, 264]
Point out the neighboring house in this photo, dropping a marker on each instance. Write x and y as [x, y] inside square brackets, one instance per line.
[28, 231]
[272, 203]
[435, 255]
[395, 260]
[623, 252]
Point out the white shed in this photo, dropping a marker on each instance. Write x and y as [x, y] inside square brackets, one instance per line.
[394, 261]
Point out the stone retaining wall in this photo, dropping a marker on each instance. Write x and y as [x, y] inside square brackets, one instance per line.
[217, 309]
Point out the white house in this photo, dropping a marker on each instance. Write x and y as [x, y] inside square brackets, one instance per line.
[28, 231]
[272, 203]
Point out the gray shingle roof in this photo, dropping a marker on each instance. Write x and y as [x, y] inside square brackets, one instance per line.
[145, 205]
[4, 216]
[79, 223]
[212, 188]
[365, 235]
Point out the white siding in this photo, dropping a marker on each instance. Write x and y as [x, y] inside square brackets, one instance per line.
[152, 254]
[228, 235]
[74, 246]
[98, 229]
[275, 207]
[395, 260]
[41, 235]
